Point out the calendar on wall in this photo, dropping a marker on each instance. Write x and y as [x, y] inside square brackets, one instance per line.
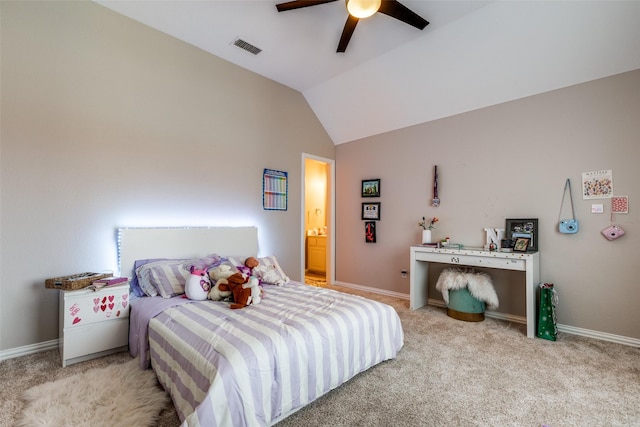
[275, 186]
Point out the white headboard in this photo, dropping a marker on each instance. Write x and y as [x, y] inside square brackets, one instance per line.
[147, 243]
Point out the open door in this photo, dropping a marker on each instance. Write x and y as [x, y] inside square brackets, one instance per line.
[318, 220]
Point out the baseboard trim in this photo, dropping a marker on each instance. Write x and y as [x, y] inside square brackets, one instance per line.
[373, 290]
[28, 349]
[572, 330]
[602, 336]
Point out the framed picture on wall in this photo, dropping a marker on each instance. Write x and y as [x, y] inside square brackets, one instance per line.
[371, 188]
[370, 232]
[371, 211]
[526, 228]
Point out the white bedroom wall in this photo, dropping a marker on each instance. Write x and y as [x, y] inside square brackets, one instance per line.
[107, 123]
[508, 161]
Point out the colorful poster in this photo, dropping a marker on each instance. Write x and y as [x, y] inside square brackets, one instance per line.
[620, 204]
[597, 184]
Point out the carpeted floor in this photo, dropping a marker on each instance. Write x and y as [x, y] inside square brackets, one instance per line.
[449, 373]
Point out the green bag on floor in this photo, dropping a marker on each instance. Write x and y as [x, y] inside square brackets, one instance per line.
[547, 327]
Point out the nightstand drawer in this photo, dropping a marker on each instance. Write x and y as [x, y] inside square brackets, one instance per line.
[89, 339]
[85, 307]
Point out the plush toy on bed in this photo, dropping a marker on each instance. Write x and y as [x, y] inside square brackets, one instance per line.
[197, 285]
[245, 290]
[219, 276]
[264, 273]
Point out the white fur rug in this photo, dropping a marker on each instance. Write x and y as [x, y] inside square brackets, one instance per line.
[118, 395]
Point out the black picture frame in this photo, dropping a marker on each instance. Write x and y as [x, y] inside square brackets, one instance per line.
[371, 211]
[371, 188]
[521, 244]
[370, 232]
[522, 227]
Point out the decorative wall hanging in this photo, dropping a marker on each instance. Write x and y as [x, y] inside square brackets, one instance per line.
[371, 211]
[435, 201]
[597, 184]
[567, 225]
[371, 188]
[620, 204]
[370, 232]
[275, 187]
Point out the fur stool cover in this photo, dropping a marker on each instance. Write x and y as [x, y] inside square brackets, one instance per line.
[479, 284]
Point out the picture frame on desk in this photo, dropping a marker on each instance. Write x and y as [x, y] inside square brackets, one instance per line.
[525, 228]
[521, 244]
[371, 211]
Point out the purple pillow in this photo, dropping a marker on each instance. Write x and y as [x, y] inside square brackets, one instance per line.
[135, 286]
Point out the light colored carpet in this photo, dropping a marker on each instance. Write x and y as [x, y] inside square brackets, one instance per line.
[116, 395]
[449, 373]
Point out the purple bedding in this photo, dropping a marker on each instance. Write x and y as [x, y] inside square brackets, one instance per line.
[256, 365]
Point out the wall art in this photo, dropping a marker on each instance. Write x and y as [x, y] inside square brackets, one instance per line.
[371, 211]
[371, 188]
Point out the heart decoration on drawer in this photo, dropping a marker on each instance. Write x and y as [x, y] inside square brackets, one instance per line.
[103, 307]
[111, 305]
[96, 308]
[104, 299]
[96, 301]
[111, 297]
[118, 313]
[76, 320]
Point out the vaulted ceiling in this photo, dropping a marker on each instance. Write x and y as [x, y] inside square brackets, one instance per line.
[473, 54]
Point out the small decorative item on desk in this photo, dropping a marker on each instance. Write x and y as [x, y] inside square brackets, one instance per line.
[426, 229]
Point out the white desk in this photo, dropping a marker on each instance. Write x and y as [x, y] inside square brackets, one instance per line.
[528, 262]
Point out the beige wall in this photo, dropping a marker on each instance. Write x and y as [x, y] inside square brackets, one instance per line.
[508, 161]
[108, 123]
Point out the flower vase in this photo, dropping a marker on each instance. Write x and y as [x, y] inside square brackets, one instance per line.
[426, 236]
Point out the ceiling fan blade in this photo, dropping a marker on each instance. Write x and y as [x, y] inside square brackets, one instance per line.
[347, 32]
[396, 10]
[290, 5]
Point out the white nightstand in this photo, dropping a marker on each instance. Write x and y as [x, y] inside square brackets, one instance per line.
[93, 323]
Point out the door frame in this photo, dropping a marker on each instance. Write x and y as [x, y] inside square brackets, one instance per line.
[331, 215]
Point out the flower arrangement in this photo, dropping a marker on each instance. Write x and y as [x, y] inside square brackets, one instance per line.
[428, 226]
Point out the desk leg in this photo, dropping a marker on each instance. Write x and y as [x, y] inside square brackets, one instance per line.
[418, 282]
[532, 281]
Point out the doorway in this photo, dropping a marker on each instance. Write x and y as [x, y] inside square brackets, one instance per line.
[318, 228]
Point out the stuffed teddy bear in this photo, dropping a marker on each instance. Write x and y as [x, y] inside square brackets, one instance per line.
[219, 276]
[197, 285]
[245, 290]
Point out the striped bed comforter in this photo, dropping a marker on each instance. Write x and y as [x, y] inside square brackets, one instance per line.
[256, 365]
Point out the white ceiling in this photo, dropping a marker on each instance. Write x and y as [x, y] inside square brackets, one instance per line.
[472, 54]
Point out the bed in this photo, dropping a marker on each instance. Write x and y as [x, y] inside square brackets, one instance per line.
[256, 365]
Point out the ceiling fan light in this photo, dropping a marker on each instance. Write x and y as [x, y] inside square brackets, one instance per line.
[363, 8]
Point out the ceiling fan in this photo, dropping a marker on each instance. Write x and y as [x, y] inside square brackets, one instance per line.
[359, 9]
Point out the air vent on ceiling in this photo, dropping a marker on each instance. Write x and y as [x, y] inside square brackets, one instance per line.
[246, 46]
